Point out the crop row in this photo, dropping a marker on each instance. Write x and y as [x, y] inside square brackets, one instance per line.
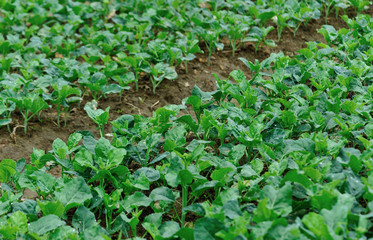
[287, 154]
[53, 52]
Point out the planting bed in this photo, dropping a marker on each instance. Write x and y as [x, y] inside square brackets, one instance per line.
[144, 101]
[221, 119]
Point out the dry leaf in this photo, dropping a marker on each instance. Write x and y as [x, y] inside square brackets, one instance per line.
[205, 5]
[111, 15]
[58, 55]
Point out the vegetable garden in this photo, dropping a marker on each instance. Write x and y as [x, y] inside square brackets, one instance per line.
[219, 119]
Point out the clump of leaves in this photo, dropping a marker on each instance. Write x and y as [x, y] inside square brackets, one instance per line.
[29, 106]
[258, 36]
[159, 72]
[61, 98]
[99, 116]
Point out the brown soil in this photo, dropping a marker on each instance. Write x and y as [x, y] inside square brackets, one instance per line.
[42, 134]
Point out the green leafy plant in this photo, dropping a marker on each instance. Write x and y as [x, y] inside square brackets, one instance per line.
[97, 84]
[61, 98]
[29, 106]
[258, 36]
[330, 4]
[189, 47]
[159, 72]
[283, 151]
[137, 64]
[236, 30]
[282, 22]
[209, 37]
[99, 116]
[360, 5]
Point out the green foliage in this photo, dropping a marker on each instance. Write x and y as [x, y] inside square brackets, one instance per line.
[61, 98]
[29, 106]
[99, 116]
[286, 154]
[160, 72]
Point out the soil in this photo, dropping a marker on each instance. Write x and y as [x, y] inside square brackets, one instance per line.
[41, 135]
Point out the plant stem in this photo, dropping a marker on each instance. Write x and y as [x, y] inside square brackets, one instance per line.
[233, 46]
[137, 80]
[102, 133]
[147, 156]
[184, 203]
[120, 235]
[296, 29]
[25, 120]
[110, 215]
[106, 221]
[210, 52]
[134, 230]
[209, 59]
[279, 33]
[327, 13]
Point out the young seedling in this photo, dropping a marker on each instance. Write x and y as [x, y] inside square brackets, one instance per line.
[211, 39]
[95, 84]
[29, 106]
[137, 64]
[62, 101]
[281, 21]
[359, 5]
[258, 36]
[124, 80]
[189, 47]
[158, 50]
[184, 176]
[236, 32]
[160, 72]
[99, 116]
